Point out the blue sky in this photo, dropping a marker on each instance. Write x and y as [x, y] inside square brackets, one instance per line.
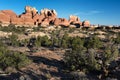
[96, 11]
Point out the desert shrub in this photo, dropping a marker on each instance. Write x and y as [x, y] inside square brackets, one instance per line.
[77, 42]
[76, 59]
[14, 40]
[12, 28]
[65, 41]
[93, 42]
[13, 59]
[71, 30]
[38, 41]
[23, 42]
[45, 41]
[90, 59]
[117, 40]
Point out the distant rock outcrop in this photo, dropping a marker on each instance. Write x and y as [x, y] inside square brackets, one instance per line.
[86, 23]
[74, 19]
[32, 18]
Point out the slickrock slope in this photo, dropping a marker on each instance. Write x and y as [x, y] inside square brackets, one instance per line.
[31, 18]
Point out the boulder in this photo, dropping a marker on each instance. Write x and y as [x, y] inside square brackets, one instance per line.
[86, 23]
[73, 18]
[72, 26]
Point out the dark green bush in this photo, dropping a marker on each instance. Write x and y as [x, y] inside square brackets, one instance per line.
[89, 58]
[93, 42]
[12, 59]
[45, 41]
[15, 59]
[12, 28]
[14, 40]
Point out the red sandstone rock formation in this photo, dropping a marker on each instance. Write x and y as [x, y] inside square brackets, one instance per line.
[49, 13]
[61, 21]
[4, 19]
[27, 17]
[86, 23]
[49, 17]
[31, 10]
[31, 17]
[73, 18]
[9, 13]
[17, 21]
[45, 23]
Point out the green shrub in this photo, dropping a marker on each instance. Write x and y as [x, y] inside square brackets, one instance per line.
[14, 40]
[93, 42]
[76, 59]
[77, 42]
[12, 28]
[65, 41]
[45, 41]
[117, 40]
[13, 59]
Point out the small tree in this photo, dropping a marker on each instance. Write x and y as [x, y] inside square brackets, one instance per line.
[45, 41]
[77, 42]
[76, 59]
[93, 42]
[14, 40]
[65, 41]
[92, 61]
[38, 42]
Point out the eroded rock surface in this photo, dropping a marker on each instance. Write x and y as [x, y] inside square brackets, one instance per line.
[31, 18]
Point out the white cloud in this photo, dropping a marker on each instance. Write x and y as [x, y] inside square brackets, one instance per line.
[92, 12]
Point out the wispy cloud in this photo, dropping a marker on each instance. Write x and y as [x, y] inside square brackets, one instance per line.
[92, 12]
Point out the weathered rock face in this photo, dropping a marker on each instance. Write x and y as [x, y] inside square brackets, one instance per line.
[6, 15]
[45, 23]
[27, 17]
[17, 21]
[49, 13]
[46, 17]
[86, 23]
[74, 19]
[32, 18]
[31, 10]
[61, 21]
[29, 21]
[4, 19]
[9, 13]
[38, 18]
